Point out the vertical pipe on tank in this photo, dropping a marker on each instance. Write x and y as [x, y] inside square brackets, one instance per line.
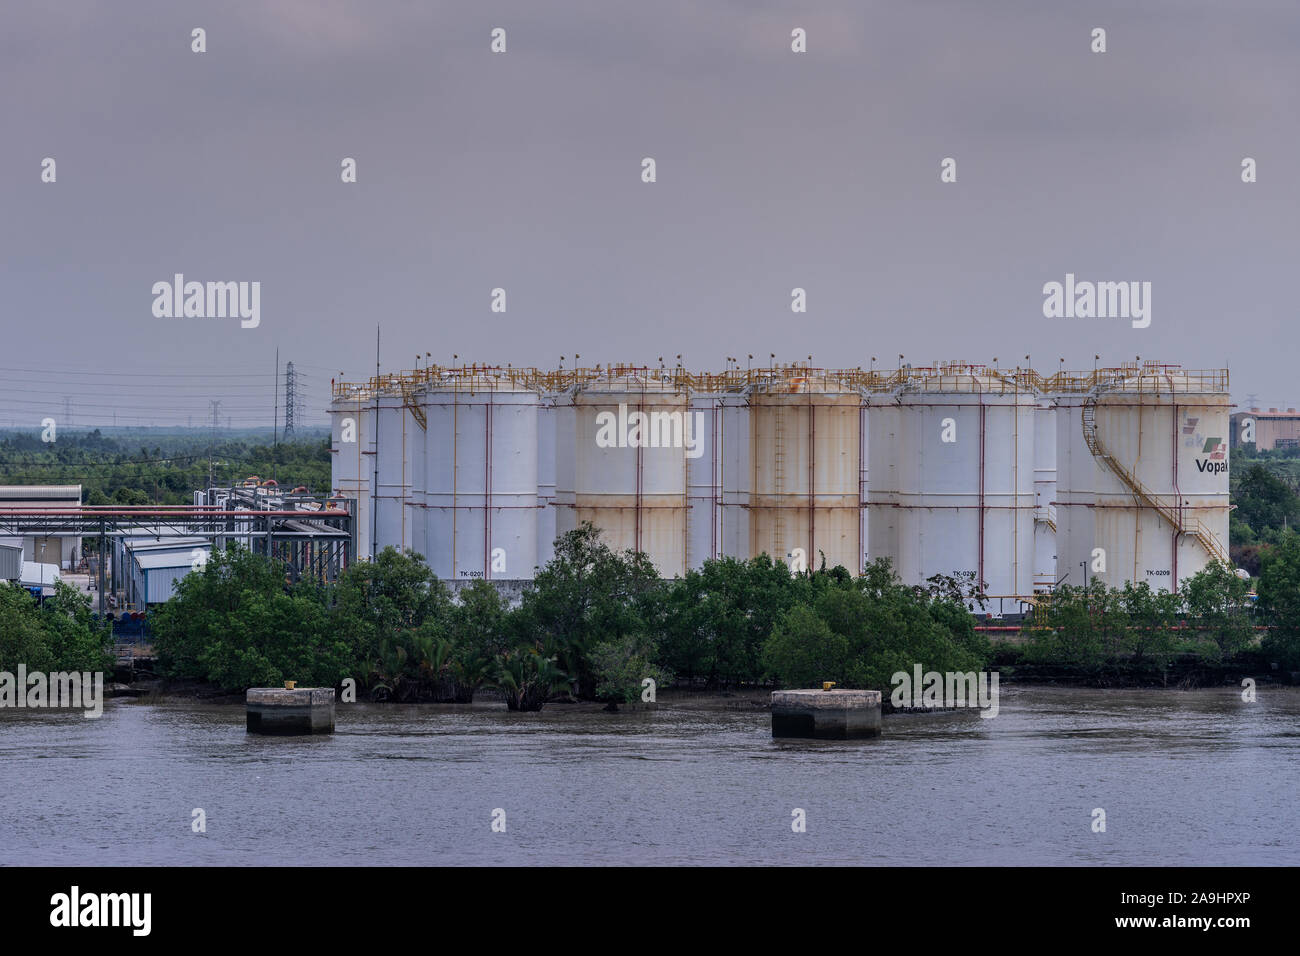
[455, 469]
[1178, 495]
[640, 466]
[1139, 512]
[686, 485]
[357, 520]
[862, 481]
[1015, 492]
[374, 487]
[487, 487]
[812, 476]
[405, 481]
[715, 475]
[979, 582]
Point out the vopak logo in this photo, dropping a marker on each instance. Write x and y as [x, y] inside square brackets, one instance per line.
[1216, 451]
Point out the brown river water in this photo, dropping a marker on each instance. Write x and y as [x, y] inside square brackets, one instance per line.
[1185, 778]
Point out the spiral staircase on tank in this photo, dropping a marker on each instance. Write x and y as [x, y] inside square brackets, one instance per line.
[1183, 525]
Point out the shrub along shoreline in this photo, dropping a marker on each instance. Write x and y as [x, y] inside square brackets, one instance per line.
[598, 625]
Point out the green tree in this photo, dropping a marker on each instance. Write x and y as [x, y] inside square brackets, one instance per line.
[527, 678]
[586, 594]
[396, 614]
[621, 664]
[1264, 502]
[1149, 617]
[1279, 600]
[716, 619]
[236, 623]
[479, 627]
[78, 640]
[803, 651]
[23, 638]
[1216, 599]
[1069, 627]
[861, 634]
[59, 635]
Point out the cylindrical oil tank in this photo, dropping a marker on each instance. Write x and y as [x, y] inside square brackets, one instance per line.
[805, 448]
[481, 475]
[864, 482]
[632, 436]
[352, 455]
[392, 470]
[718, 476]
[965, 480]
[1153, 442]
[1044, 494]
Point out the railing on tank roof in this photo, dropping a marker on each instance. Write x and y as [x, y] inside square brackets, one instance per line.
[1147, 376]
[946, 376]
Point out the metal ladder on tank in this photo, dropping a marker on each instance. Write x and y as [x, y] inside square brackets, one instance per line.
[412, 403]
[1193, 526]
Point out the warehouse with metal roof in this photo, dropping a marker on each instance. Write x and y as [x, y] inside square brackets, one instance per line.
[63, 550]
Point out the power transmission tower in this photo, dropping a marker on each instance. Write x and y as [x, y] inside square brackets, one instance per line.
[290, 399]
[67, 411]
[215, 405]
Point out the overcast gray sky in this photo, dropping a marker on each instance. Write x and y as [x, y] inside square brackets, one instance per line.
[523, 171]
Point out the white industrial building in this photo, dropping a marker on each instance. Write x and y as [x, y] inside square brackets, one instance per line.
[61, 550]
[955, 467]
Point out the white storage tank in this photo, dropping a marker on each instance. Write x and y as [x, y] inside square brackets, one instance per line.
[481, 470]
[806, 456]
[631, 430]
[864, 482]
[1143, 473]
[352, 454]
[392, 469]
[961, 465]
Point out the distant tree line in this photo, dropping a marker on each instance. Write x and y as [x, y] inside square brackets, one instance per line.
[168, 472]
